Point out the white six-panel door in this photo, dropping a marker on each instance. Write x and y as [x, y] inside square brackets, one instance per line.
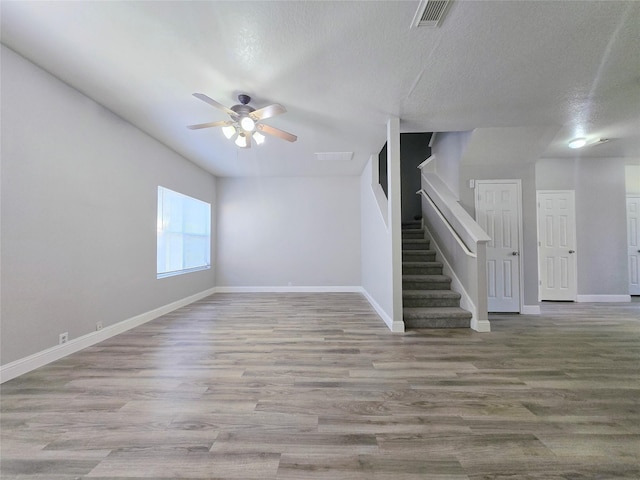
[557, 245]
[498, 213]
[633, 236]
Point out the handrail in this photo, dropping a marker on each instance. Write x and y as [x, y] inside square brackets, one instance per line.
[464, 225]
[464, 247]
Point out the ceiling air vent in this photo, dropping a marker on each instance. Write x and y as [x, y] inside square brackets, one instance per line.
[430, 13]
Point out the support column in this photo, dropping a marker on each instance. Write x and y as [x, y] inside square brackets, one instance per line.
[395, 218]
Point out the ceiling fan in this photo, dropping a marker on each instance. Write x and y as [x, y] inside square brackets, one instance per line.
[246, 122]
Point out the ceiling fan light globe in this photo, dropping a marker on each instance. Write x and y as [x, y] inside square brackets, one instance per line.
[247, 124]
[229, 131]
[241, 141]
[577, 143]
[258, 137]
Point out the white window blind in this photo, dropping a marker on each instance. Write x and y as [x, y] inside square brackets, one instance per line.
[184, 233]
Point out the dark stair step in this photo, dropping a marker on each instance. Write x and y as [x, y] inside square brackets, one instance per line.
[415, 244]
[412, 225]
[430, 298]
[416, 233]
[422, 268]
[418, 255]
[426, 282]
[438, 317]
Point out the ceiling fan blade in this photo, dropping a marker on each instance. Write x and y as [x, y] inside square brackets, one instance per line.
[222, 123]
[213, 103]
[267, 112]
[276, 132]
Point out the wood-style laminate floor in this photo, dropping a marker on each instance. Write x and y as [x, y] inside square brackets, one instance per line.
[314, 386]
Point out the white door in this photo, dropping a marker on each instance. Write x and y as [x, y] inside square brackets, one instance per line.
[498, 213]
[557, 245]
[633, 234]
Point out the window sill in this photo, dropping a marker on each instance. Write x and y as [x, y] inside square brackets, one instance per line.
[180, 272]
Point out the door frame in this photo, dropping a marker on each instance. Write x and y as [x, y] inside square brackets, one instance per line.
[575, 239]
[628, 196]
[518, 183]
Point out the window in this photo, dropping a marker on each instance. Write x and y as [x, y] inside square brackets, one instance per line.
[184, 233]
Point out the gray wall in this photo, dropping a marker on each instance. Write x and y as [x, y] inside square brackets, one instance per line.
[79, 193]
[447, 149]
[288, 231]
[376, 249]
[599, 184]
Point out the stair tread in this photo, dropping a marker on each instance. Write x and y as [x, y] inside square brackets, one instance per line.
[410, 263]
[431, 278]
[435, 312]
[415, 240]
[430, 294]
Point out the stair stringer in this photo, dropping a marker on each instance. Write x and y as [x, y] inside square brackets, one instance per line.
[477, 324]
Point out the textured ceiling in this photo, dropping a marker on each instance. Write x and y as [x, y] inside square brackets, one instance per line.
[341, 69]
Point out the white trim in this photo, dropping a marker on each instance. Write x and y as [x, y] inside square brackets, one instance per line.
[395, 327]
[290, 289]
[426, 162]
[40, 359]
[381, 201]
[395, 213]
[530, 310]
[182, 272]
[460, 220]
[572, 194]
[518, 183]
[446, 223]
[480, 326]
[603, 298]
[433, 139]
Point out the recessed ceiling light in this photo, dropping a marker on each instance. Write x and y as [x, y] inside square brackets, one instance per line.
[577, 143]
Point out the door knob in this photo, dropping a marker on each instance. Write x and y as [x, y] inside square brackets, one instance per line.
[572, 251]
[515, 254]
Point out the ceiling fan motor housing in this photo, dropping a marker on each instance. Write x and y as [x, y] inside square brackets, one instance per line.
[243, 109]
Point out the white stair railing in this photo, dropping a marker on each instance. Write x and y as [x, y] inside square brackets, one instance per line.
[461, 245]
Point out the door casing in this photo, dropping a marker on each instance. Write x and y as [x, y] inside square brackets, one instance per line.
[518, 184]
[633, 243]
[572, 272]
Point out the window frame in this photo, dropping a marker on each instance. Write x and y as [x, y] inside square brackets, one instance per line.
[185, 223]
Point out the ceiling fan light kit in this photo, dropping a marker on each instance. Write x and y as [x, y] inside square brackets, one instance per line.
[583, 142]
[246, 124]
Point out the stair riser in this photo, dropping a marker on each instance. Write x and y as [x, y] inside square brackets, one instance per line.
[412, 226]
[431, 302]
[415, 285]
[415, 246]
[417, 256]
[422, 270]
[437, 323]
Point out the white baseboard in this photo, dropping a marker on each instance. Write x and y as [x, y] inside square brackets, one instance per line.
[290, 289]
[40, 359]
[482, 326]
[603, 298]
[530, 310]
[395, 326]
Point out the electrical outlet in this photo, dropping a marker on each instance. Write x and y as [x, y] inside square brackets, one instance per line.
[63, 338]
[98, 326]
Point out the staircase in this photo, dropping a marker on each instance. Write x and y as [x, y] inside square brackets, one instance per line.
[427, 297]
